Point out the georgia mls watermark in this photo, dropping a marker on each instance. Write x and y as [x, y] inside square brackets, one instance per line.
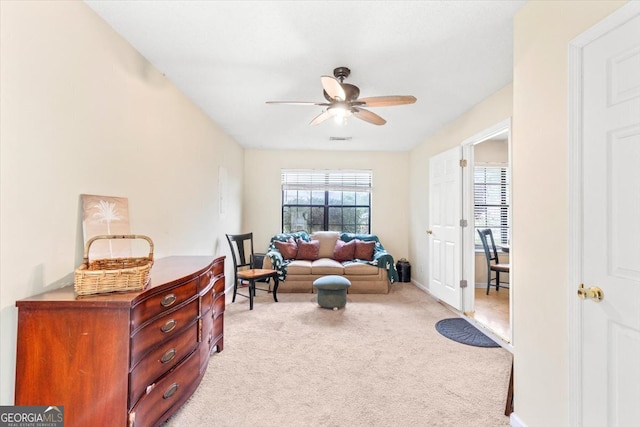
[31, 416]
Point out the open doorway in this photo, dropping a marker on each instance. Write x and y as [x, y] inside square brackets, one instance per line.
[487, 197]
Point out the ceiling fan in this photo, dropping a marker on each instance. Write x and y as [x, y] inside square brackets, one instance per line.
[342, 100]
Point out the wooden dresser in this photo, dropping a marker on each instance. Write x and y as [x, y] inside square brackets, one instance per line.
[130, 358]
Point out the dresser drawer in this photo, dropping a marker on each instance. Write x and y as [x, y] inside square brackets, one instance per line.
[170, 392]
[218, 328]
[165, 301]
[207, 340]
[161, 329]
[205, 279]
[206, 301]
[218, 285]
[219, 305]
[160, 360]
[218, 268]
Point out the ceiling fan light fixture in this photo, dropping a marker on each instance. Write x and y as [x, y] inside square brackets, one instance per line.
[343, 101]
[341, 115]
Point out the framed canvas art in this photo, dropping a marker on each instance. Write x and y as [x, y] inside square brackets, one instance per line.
[106, 215]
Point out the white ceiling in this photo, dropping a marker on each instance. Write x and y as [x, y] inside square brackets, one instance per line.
[229, 57]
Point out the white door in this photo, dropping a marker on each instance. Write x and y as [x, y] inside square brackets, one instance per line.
[611, 228]
[445, 213]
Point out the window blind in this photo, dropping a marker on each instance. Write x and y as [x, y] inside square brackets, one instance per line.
[491, 201]
[327, 180]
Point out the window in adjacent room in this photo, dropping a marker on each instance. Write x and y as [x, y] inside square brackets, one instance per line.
[330, 200]
[491, 202]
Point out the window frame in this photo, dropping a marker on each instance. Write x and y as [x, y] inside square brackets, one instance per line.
[327, 181]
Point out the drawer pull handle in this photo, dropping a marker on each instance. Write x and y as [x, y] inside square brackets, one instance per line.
[170, 391]
[168, 327]
[168, 356]
[168, 300]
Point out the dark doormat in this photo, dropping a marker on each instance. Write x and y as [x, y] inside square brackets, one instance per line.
[459, 330]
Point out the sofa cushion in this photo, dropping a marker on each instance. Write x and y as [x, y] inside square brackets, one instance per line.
[308, 250]
[327, 241]
[326, 266]
[364, 250]
[344, 251]
[299, 267]
[288, 249]
[360, 269]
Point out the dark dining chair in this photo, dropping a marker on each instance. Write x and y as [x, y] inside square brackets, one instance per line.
[246, 268]
[493, 262]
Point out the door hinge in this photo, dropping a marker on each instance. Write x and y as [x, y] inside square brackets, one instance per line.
[463, 223]
[463, 283]
[463, 163]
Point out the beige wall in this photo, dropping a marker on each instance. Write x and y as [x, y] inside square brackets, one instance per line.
[389, 199]
[543, 30]
[491, 151]
[83, 112]
[486, 114]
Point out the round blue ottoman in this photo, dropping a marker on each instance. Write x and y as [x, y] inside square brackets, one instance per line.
[332, 291]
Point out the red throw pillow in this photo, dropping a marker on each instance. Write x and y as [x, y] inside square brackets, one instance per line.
[364, 250]
[344, 251]
[308, 250]
[288, 249]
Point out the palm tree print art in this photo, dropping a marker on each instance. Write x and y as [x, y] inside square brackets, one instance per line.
[107, 213]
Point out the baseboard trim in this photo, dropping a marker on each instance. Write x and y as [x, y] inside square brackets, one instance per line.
[421, 286]
[515, 421]
[426, 291]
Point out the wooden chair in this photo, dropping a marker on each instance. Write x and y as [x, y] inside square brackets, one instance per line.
[491, 254]
[245, 270]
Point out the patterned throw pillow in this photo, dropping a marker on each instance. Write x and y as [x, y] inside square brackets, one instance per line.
[364, 250]
[308, 250]
[288, 249]
[344, 251]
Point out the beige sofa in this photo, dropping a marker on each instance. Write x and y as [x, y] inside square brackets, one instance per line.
[297, 275]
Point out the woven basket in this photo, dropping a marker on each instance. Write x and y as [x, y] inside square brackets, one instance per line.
[113, 274]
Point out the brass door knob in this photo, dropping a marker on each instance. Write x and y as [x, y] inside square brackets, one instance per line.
[429, 232]
[593, 293]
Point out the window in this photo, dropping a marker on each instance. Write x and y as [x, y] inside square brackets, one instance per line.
[329, 200]
[491, 202]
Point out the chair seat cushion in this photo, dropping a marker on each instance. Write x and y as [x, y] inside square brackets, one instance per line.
[503, 268]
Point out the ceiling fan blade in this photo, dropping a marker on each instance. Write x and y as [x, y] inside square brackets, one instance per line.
[387, 101]
[334, 89]
[298, 103]
[325, 115]
[368, 116]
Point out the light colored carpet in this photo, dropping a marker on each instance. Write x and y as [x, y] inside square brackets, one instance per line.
[377, 362]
